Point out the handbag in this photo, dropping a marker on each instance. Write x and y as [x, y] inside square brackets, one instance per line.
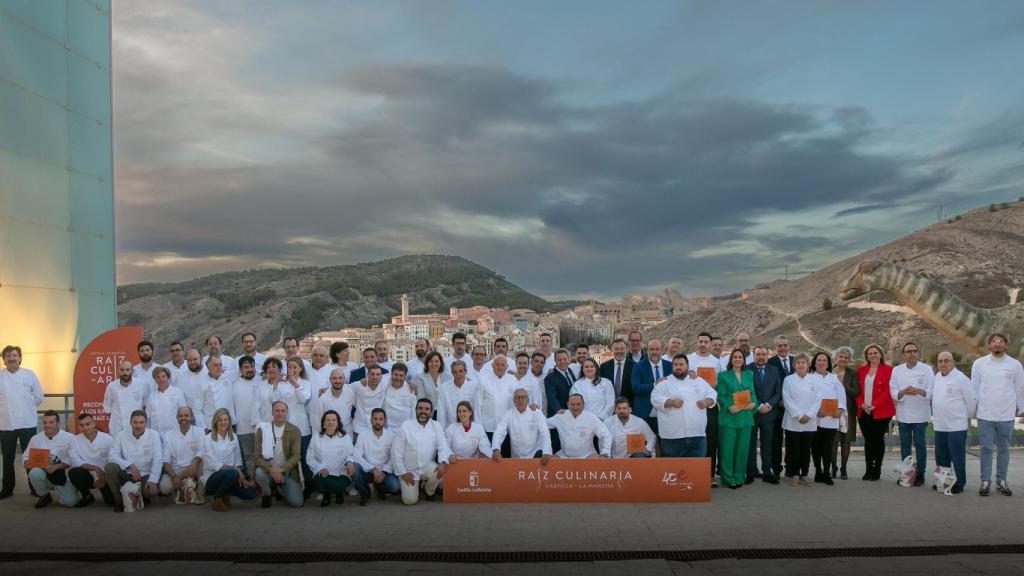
[131, 495]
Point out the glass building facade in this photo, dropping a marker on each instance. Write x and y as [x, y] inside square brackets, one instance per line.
[57, 287]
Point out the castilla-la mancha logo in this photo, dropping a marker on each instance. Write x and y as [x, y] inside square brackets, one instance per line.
[677, 479]
[474, 479]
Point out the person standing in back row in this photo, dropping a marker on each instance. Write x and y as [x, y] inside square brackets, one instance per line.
[20, 393]
[783, 362]
[999, 380]
[911, 389]
[735, 420]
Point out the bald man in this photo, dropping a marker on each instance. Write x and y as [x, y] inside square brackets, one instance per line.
[122, 397]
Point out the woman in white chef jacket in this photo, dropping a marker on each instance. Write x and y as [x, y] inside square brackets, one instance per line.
[467, 438]
[801, 398]
[830, 388]
[598, 393]
[330, 459]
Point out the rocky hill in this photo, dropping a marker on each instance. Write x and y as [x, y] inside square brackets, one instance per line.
[275, 303]
[977, 255]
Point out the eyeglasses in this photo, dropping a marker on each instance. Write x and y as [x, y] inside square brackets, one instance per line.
[911, 351]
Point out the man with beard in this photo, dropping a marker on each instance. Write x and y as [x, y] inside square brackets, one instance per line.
[682, 400]
[338, 398]
[90, 452]
[369, 361]
[250, 399]
[383, 354]
[216, 389]
[619, 370]
[249, 349]
[123, 397]
[319, 375]
[143, 371]
[454, 390]
[500, 348]
[190, 381]
[547, 349]
[420, 453]
[706, 365]
[577, 430]
[20, 393]
[214, 348]
[137, 456]
[415, 365]
[291, 350]
[582, 353]
[54, 476]
[372, 456]
[531, 381]
[177, 362]
[459, 351]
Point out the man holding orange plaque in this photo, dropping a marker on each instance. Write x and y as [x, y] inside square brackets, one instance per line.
[706, 366]
[631, 436]
[47, 459]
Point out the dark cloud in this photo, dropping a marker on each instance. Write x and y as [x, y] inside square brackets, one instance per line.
[597, 198]
[861, 210]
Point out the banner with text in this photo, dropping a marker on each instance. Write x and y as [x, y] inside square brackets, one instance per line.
[97, 366]
[481, 480]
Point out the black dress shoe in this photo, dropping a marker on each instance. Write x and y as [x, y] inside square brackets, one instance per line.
[828, 481]
[842, 474]
[363, 499]
[749, 480]
[325, 501]
[265, 502]
[339, 499]
[919, 481]
[85, 501]
[118, 508]
[44, 500]
[771, 479]
[429, 497]
[6, 495]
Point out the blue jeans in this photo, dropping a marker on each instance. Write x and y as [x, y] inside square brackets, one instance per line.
[363, 479]
[951, 450]
[997, 433]
[913, 435]
[225, 483]
[290, 489]
[693, 447]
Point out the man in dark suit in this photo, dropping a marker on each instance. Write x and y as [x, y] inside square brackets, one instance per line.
[646, 374]
[782, 362]
[558, 382]
[369, 360]
[619, 370]
[768, 389]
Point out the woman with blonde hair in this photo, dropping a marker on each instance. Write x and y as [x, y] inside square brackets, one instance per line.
[222, 464]
[847, 375]
[875, 408]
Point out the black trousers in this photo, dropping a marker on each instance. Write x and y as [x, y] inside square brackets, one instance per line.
[9, 440]
[711, 432]
[821, 450]
[506, 446]
[84, 482]
[778, 435]
[798, 452]
[874, 440]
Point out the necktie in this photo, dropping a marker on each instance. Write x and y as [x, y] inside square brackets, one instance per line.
[761, 372]
[785, 365]
[657, 372]
[618, 377]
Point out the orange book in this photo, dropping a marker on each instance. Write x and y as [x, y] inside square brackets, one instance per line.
[38, 457]
[707, 374]
[741, 398]
[635, 443]
[829, 405]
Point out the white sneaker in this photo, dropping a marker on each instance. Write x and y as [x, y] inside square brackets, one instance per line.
[352, 491]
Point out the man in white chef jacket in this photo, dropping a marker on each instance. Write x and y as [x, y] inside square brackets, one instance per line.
[20, 394]
[137, 456]
[420, 454]
[54, 476]
[577, 429]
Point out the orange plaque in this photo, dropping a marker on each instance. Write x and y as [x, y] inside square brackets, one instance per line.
[829, 405]
[741, 399]
[38, 457]
[707, 374]
[635, 443]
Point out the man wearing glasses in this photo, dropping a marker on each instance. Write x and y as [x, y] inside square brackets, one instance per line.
[911, 389]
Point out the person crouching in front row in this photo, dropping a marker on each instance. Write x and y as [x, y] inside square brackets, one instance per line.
[278, 451]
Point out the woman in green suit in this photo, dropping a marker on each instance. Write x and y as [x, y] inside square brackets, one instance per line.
[735, 422]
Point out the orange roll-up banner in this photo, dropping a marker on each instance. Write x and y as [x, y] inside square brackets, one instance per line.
[592, 480]
[97, 366]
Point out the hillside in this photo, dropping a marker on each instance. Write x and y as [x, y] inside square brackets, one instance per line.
[978, 257]
[274, 303]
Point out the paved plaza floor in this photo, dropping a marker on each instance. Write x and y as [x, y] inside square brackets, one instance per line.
[781, 520]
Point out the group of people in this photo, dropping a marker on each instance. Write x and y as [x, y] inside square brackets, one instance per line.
[210, 427]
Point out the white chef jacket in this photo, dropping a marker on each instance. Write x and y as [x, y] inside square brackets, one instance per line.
[217, 394]
[365, 399]
[416, 446]
[534, 388]
[912, 409]
[634, 425]
[218, 453]
[120, 401]
[295, 398]
[576, 434]
[598, 399]
[59, 446]
[801, 397]
[399, 404]
[145, 452]
[191, 383]
[372, 451]
[181, 449]
[95, 453]
[251, 399]
[527, 431]
[954, 401]
[688, 421]
[342, 404]
[143, 375]
[468, 444]
[20, 393]
[162, 408]
[467, 358]
[230, 365]
[449, 395]
[318, 380]
[495, 398]
[330, 452]
[830, 388]
[1000, 387]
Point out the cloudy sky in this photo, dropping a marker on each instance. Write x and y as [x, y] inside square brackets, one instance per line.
[578, 148]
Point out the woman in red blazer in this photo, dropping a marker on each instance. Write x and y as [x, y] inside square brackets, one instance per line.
[874, 408]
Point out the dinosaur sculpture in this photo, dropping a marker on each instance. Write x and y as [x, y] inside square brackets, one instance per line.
[965, 324]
